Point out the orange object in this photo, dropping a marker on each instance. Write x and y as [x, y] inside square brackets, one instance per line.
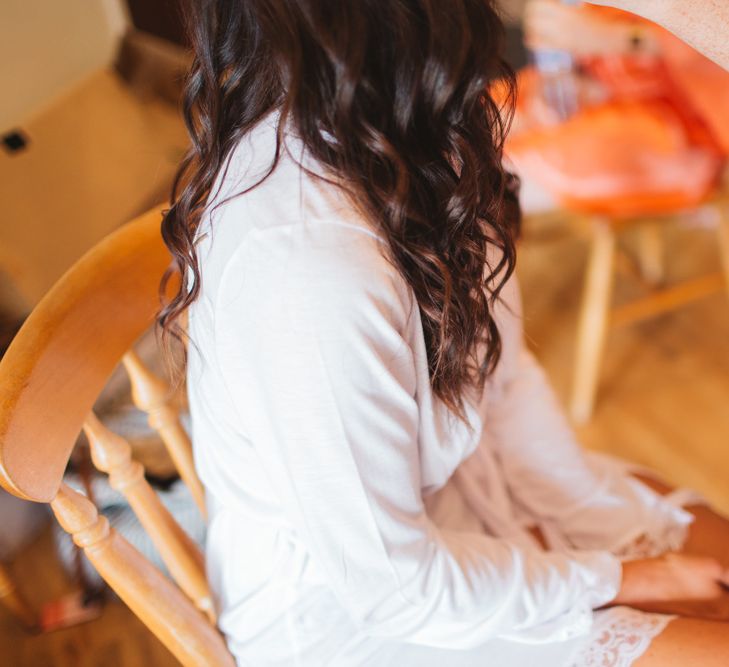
[656, 141]
[703, 82]
[620, 159]
[72, 609]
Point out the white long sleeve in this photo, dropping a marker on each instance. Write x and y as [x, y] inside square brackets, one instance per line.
[312, 330]
[596, 506]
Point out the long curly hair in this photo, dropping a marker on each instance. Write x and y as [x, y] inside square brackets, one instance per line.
[402, 86]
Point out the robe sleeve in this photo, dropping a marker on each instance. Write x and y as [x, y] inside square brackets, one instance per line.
[310, 321]
[591, 499]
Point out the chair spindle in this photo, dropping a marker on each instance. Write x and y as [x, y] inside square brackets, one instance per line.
[147, 592]
[112, 454]
[151, 394]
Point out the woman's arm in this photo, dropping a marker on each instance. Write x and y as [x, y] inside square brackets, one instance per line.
[596, 507]
[546, 468]
[310, 337]
[704, 24]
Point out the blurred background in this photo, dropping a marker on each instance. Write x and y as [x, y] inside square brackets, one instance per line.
[620, 138]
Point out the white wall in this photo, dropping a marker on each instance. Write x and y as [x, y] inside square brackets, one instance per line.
[47, 46]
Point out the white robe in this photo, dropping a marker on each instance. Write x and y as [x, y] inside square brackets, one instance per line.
[353, 519]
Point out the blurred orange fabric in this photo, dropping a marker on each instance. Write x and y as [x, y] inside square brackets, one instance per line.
[656, 143]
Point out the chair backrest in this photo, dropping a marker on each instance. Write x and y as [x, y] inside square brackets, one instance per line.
[50, 378]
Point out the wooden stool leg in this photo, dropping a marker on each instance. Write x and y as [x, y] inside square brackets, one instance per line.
[650, 252]
[13, 601]
[593, 323]
[724, 244]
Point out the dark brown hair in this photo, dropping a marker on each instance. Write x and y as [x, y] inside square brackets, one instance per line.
[402, 88]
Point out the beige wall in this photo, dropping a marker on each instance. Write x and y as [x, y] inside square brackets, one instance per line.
[46, 46]
[512, 9]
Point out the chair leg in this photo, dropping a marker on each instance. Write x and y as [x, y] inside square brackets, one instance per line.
[594, 321]
[13, 601]
[650, 252]
[724, 244]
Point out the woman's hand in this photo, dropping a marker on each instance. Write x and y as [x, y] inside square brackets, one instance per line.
[676, 584]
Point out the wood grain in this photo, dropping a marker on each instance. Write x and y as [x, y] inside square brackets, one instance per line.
[14, 601]
[152, 395]
[664, 388]
[116, 639]
[67, 348]
[183, 558]
[160, 605]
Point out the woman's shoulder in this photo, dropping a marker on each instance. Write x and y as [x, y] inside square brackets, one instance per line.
[284, 213]
[324, 274]
[309, 247]
[297, 237]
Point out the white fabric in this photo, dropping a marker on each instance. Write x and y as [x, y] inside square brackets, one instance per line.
[329, 464]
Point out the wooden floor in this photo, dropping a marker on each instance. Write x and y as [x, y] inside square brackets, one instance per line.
[116, 639]
[664, 393]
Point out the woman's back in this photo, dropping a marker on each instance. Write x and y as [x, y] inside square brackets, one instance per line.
[318, 439]
[293, 227]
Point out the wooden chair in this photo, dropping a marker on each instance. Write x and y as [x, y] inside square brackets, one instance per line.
[49, 379]
[598, 315]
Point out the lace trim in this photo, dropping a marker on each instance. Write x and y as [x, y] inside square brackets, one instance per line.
[619, 637]
[672, 535]
[672, 538]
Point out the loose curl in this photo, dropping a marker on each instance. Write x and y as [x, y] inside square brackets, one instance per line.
[402, 86]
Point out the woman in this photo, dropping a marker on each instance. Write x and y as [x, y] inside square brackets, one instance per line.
[389, 479]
